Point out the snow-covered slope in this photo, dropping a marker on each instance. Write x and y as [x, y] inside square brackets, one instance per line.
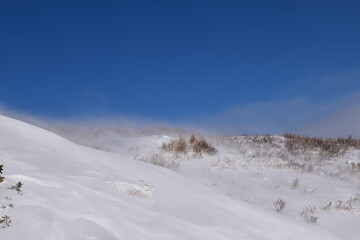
[75, 192]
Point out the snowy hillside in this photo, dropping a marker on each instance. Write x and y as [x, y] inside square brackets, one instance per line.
[127, 187]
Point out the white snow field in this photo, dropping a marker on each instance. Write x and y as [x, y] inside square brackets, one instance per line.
[75, 192]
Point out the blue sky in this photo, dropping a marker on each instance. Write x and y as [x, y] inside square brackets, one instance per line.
[181, 61]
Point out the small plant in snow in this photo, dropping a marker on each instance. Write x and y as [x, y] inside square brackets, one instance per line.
[311, 219]
[5, 221]
[309, 214]
[197, 145]
[326, 206]
[1, 169]
[177, 146]
[17, 187]
[295, 183]
[201, 146]
[346, 204]
[279, 205]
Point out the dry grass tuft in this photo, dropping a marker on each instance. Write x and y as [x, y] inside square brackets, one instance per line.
[178, 146]
[309, 214]
[279, 205]
[197, 145]
[202, 146]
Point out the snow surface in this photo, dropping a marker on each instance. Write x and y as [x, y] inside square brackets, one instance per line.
[76, 192]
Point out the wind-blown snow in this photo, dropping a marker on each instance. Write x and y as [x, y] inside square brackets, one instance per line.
[75, 192]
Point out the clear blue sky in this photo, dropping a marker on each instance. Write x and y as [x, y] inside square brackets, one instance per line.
[173, 60]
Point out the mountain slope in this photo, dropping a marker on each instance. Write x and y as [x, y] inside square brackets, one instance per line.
[75, 192]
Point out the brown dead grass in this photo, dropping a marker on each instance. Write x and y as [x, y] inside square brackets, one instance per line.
[197, 145]
[328, 146]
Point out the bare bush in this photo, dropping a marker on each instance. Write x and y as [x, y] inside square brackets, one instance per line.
[197, 145]
[177, 146]
[202, 146]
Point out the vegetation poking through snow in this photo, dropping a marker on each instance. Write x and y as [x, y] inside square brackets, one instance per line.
[17, 187]
[5, 220]
[267, 138]
[196, 145]
[295, 183]
[1, 169]
[326, 206]
[329, 146]
[279, 205]
[309, 214]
